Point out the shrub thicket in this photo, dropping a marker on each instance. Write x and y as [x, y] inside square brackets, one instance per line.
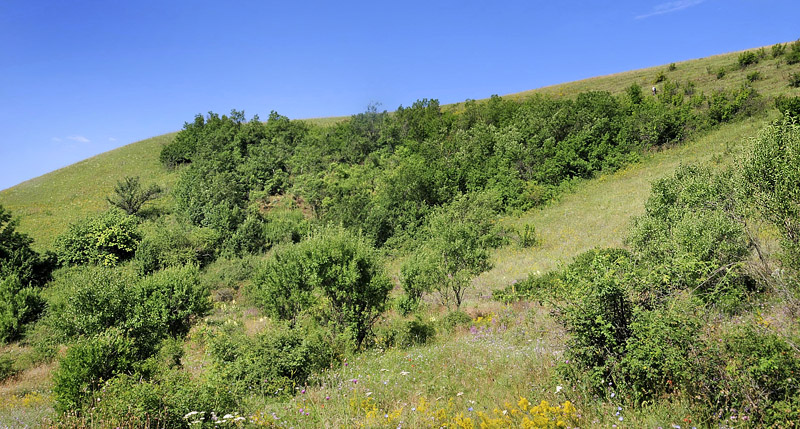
[335, 275]
[106, 239]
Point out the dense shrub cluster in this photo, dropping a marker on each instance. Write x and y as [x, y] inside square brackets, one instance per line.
[105, 239]
[335, 275]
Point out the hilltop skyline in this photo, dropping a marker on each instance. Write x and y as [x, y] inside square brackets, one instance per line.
[84, 78]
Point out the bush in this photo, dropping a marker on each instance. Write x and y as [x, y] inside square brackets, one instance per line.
[598, 314]
[690, 236]
[165, 303]
[658, 355]
[7, 369]
[335, 265]
[721, 72]
[772, 171]
[106, 239]
[170, 244]
[753, 76]
[129, 196]
[90, 300]
[273, 362]
[88, 364]
[19, 306]
[778, 49]
[747, 372]
[17, 258]
[794, 80]
[788, 106]
[747, 58]
[725, 106]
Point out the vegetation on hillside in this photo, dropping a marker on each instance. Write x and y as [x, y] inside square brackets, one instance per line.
[257, 293]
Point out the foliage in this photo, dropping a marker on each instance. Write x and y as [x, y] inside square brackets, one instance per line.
[173, 244]
[778, 49]
[273, 362]
[129, 195]
[747, 58]
[598, 313]
[17, 257]
[334, 270]
[788, 106]
[455, 252]
[747, 372]
[19, 306]
[659, 354]
[106, 239]
[87, 364]
[753, 76]
[772, 171]
[87, 301]
[794, 80]
[726, 106]
[692, 235]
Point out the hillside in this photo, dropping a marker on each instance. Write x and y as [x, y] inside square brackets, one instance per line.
[77, 190]
[379, 271]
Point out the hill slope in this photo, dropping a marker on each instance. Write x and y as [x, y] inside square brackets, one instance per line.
[78, 190]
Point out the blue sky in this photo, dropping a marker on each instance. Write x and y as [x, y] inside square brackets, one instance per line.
[79, 78]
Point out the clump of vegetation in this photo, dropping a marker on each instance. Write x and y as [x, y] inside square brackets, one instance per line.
[753, 76]
[747, 58]
[794, 80]
[106, 239]
[129, 195]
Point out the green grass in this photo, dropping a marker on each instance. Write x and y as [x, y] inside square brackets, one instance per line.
[46, 205]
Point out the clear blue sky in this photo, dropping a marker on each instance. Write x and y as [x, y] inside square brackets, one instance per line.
[79, 78]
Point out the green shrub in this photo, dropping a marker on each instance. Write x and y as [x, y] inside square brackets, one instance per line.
[772, 171]
[778, 49]
[725, 106]
[658, 355]
[794, 80]
[597, 314]
[788, 106]
[793, 57]
[163, 400]
[17, 258]
[274, 361]
[691, 237]
[106, 239]
[537, 286]
[129, 196]
[660, 77]
[88, 364]
[748, 371]
[335, 265]
[7, 369]
[753, 76]
[747, 58]
[454, 319]
[89, 300]
[165, 303]
[170, 244]
[721, 72]
[19, 306]
[672, 67]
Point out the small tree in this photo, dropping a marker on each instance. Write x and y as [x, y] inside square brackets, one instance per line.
[130, 196]
[455, 253]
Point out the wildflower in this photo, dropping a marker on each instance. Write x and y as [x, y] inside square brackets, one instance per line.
[459, 393]
[327, 398]
[404, 373]
[227, 416]
[558, 388]
[620, 418]
[469, 409]
[303, 391]
[613, 394]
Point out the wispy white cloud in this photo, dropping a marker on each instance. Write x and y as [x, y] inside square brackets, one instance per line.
[79, 139]
[55, 139]
[669, 7]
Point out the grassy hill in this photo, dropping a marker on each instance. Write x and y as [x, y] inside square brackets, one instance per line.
[75, 191]
[509, 352]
